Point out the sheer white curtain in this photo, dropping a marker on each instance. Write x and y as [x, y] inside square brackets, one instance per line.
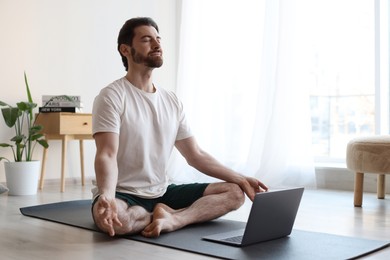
[240, 79]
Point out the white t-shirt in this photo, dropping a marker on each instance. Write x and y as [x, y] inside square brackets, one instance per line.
[148, 125]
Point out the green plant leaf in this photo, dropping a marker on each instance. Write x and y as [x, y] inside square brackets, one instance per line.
[18, 139]
[30, 112]
[36, 136]
[5, 145]
[26, 106]
[36, 128]
[43, 142]
[4, 104]
[10, 115]
[27, 89]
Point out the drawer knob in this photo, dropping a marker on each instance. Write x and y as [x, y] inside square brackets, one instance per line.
[85, 123]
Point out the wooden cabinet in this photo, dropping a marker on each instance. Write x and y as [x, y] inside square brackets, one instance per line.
[65, 123]
[65, 127]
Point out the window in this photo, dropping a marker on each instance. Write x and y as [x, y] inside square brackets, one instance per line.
[347, 76]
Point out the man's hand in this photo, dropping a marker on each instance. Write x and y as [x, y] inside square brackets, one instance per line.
[106, 215]
[251, 186]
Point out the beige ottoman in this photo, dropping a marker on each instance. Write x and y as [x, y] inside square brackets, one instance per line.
[369, 155]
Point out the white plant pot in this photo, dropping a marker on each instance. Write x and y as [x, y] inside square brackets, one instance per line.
[22, 177]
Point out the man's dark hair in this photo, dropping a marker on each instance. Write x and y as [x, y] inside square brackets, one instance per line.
[126, 34]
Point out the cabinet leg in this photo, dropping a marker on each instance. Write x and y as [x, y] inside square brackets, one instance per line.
[63, 161]
[43, 169]
[82, 162]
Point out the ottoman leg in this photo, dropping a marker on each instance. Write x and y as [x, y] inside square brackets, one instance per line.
[358, 193]
[381, 186]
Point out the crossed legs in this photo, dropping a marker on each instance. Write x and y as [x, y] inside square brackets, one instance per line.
[218, 199]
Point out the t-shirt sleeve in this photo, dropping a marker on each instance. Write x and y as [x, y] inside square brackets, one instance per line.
[106, 112]
[184, 130]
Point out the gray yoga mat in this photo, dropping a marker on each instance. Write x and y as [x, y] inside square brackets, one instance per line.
[299, 245]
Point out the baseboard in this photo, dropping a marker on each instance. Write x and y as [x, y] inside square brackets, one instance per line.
[68, 181]
[332, 178]
[342, 179]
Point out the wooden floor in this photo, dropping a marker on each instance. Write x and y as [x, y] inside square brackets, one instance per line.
[28, 238]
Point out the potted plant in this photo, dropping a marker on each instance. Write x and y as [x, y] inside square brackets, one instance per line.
[27, 136]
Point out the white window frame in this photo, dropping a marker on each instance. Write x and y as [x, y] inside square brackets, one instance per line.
[382, 109]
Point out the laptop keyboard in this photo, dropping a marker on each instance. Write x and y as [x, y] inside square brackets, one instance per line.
[236, 239]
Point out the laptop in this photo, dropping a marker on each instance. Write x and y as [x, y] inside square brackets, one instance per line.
[272, 216]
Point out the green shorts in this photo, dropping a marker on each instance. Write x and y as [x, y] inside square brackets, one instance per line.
[176, 196]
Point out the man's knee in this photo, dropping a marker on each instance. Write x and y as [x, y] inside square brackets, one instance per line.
[237, 195]
[234, 194]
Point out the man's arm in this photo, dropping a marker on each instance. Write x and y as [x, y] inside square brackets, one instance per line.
[106, 171]
[207, 164]
[106, 168]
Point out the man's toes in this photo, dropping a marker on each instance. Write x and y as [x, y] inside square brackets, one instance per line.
[150, 231]
[149, 234]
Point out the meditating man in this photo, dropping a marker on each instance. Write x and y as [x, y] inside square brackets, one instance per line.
[136, 124]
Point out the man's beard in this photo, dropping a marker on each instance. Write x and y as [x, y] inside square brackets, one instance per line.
[151, 62]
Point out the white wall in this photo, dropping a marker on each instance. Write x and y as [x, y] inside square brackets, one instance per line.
[69, 47]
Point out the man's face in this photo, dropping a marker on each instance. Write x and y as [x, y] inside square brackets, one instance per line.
[146, 47]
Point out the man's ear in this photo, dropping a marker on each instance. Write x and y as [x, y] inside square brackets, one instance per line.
[125, 49]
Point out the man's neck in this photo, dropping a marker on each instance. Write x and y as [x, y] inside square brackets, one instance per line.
[141, 79]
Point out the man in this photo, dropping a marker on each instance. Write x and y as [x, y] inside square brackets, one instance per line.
[136, 125]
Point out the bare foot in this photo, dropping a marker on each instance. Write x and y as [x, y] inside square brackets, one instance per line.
[163, 221]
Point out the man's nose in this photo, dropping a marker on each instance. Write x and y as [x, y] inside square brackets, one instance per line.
[156, 45]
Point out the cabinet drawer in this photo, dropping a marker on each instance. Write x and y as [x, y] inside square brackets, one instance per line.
[65, 123]
[75, 124]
